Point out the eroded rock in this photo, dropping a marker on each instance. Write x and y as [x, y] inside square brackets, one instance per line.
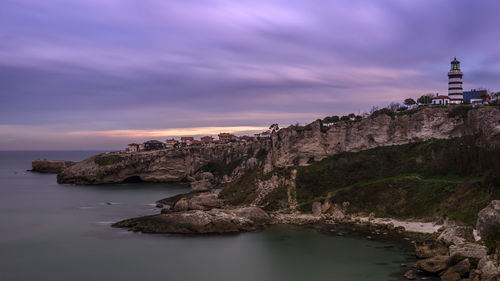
[423, 251]
[50, 166]
[488, 218]
[433, 264]
[197, 201]
[316, 209]
[200, 222]
[456, 235]
[473, 252]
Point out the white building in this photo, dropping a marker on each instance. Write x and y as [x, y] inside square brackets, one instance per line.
[455, 86]
[440, 100]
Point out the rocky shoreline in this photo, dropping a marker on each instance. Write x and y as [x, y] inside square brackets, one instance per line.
[443, 251]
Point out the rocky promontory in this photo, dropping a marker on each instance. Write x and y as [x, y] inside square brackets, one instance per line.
[200, 222]
[50, 166]
[295, 145]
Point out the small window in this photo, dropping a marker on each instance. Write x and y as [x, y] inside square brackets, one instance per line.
[455, 67]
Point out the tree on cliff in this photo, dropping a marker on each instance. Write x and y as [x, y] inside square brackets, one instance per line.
[331, 119]
[409, 102]
[425, 99]
[274, 127]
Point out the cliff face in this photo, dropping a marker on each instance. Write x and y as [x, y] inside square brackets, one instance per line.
[291, 146]
[153, 166]
[288, 147]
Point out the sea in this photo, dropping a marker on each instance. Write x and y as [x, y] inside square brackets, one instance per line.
[53, 232]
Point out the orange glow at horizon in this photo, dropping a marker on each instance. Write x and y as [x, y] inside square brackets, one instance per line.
[174, 132]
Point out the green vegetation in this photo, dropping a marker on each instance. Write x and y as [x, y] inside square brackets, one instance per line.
[221, 168]
[243, 190]
[492, 240]
[104, 160]
[460, 110]
[451, 178]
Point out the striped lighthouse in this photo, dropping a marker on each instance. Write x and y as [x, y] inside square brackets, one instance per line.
[455, 88]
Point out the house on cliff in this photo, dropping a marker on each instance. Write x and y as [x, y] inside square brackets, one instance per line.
[187, 141]
[226, 137]
[440, 100]
[153, 145]
[133, 147]
[171, 143]
[206, 140]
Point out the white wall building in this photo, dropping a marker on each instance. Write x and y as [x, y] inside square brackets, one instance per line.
[440, 100]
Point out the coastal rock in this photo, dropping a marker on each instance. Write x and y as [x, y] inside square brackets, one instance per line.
[450, 276]
[462, 268]
[488, 218]
[473, 252]
[50, 166]
[434, 264]
[316, 209]
[430, 250]
[488, 268]
[196, 201]
[201, 185]
[456, 235]
[410, 274]
[200, 222]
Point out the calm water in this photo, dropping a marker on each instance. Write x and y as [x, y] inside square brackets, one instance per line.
[61, 232]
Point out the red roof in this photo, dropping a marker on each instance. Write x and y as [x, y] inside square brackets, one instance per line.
[440, 97]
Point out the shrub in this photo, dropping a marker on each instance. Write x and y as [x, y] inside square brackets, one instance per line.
[460, 111]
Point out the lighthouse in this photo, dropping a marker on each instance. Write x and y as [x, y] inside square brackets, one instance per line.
[455, 88]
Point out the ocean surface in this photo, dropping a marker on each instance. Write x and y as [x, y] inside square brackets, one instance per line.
[62, 232]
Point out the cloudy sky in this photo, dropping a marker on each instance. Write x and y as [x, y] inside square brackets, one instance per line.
[98, 74]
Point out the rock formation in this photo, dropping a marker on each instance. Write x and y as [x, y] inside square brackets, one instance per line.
[200, 222]
[488, 219]
[50, 166]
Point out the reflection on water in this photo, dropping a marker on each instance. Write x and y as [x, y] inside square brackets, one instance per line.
[62, 232]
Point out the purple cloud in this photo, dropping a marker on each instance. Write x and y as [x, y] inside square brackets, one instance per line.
[127, 65]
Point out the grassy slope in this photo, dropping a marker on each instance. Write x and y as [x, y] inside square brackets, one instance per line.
[453, 178]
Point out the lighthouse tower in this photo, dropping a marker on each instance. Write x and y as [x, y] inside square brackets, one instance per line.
[455, 88]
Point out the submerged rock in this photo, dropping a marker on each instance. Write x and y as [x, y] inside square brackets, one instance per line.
[410, 274]
[200, 222]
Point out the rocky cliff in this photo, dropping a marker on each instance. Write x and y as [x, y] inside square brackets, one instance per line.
[295, 145]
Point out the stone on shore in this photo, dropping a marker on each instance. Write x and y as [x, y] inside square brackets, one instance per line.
[434, 264]
[200, 222]
[456, 235]
[430, 250]
[201, 185]
[488, 218]
[316, 209]
[50, 166]
[410, 274]
[203, 201]
[473, 252]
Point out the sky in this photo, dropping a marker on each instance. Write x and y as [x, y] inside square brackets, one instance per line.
[98, 74]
